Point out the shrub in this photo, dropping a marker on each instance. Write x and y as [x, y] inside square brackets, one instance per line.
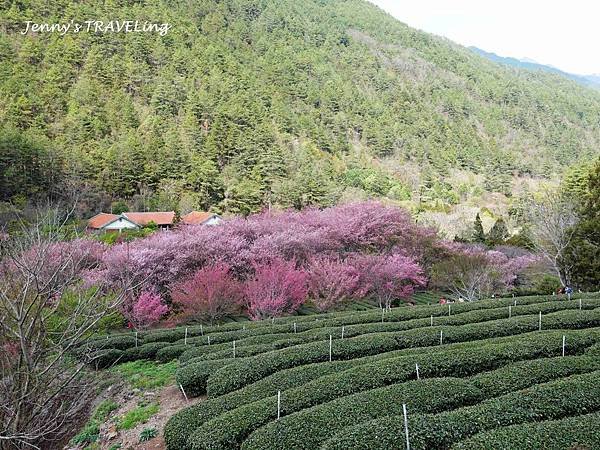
[209, 295]
[147, 434]
[310, 427]
[581, 432]
[171, 352]
[193, 377]
[106, 358]
[428, 396]
[369, 371]
[279, 341]
[242, 372]
[571, 396]
[379, 374]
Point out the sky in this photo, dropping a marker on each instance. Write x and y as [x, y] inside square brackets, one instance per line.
[564, 34]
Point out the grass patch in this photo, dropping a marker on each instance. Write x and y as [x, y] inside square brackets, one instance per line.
[90, 432]
[147, 374]
[137, 415]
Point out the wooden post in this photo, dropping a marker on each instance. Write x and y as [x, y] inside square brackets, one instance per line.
[406, 426]
[417, 368]
[278, 404]
[563, 348]
[330, 346]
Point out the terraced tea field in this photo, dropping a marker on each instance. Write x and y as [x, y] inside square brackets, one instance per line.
[501, 373]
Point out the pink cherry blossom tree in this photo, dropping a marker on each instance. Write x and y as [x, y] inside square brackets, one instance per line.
[148, 309]
[331, 282]
[387, 278]
[276, 289]
[208, 295]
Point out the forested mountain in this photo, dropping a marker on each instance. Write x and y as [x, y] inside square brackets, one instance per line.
[587, 80]
[247, 103]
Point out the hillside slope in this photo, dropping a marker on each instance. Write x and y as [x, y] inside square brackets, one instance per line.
[245, 103]
[586, 80]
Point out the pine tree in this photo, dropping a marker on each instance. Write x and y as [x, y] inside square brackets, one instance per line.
[478, 234]
[498, 234]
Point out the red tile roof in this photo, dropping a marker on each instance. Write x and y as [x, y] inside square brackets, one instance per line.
[196, 217]
[99, 220]
[144, 218]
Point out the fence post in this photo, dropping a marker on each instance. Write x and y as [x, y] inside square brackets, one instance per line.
[540, 322]
[563, 348]
[234, 349]
[441, 337]
[406, 425]
[185, 338]
[278, 404]
[183, 392]
[418, 375]
[580, 304]
[342, 331]
[449, 305]
[330, 346]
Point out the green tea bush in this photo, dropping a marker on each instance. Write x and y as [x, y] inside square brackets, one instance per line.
[171, 352]
[573, 433]
[245, 371]
[234, 331]
[498, 350]
[287, 340]
[578, 394]
[432, 395]
[310, 427]
[193, 376]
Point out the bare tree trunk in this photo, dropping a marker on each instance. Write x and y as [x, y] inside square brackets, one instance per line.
[553, 219]
[45, 312]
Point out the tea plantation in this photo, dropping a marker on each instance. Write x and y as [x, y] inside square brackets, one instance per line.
[500, 373]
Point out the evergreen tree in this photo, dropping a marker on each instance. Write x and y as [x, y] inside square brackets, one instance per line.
[478, 234]
[498, 234]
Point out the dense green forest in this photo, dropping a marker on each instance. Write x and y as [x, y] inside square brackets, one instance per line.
[248, 103]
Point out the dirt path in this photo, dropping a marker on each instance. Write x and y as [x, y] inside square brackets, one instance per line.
[170, 400]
